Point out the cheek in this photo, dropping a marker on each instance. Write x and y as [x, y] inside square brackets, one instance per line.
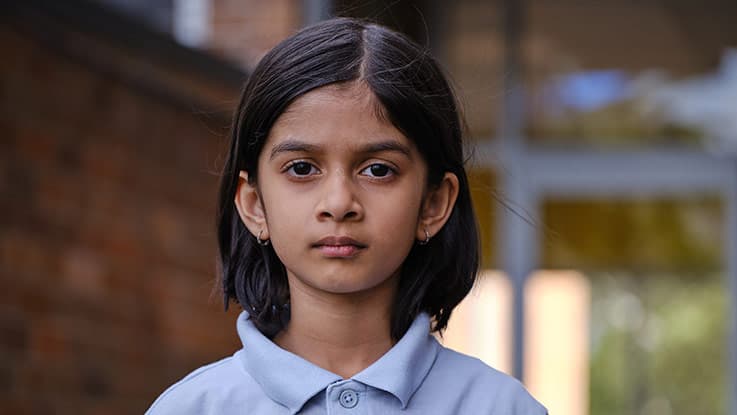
[285, 223]
[397, 214]
[285, 211]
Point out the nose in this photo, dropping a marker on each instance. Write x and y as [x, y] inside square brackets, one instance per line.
[339, 200]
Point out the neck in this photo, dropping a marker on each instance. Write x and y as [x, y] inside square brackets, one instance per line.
[342, 333]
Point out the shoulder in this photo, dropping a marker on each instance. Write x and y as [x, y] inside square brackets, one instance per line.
[207, 390]
[483, 386]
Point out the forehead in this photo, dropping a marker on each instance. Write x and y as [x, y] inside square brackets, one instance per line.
[339, 111]
[353, 95]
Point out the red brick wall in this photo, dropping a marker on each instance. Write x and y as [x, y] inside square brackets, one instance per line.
[107, 245]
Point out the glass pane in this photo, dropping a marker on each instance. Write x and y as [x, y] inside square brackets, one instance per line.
[657, 303]
[658, 344]
[623, 74]
[646, 234]
[482, 184]
[627, 343]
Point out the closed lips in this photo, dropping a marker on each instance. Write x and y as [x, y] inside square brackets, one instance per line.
[338, 241]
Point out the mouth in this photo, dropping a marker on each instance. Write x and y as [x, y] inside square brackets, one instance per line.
[339, 247]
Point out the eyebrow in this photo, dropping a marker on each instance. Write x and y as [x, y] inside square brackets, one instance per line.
[292, 146]
[388, 145]
[296, 146]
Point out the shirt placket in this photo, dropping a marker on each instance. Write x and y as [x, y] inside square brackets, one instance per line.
[347, 397]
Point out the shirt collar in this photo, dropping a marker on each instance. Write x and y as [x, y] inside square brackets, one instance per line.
[291, 381]
[403, 368]
[285, 377]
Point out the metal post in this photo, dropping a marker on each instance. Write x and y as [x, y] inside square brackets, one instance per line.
[520, 255]
[517, 239]
[730, 255]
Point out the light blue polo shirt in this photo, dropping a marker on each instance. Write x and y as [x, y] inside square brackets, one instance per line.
[416, 376]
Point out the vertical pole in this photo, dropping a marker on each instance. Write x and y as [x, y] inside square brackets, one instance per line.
[517, 238]
[730, 256]
[520, 256]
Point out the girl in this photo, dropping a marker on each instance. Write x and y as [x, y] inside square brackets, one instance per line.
[347, 234]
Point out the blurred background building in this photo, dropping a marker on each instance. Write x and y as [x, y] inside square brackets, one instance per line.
[604, 174]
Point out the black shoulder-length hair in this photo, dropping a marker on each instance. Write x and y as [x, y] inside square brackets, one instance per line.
[417, 99]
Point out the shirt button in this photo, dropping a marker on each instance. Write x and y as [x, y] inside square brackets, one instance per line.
[348, 398]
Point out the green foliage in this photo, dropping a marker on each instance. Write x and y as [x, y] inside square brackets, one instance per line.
[659, 346]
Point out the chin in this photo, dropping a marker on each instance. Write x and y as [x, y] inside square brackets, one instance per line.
[341, 285]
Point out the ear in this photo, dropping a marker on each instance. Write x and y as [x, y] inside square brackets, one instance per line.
[250, 207]
[437, 207]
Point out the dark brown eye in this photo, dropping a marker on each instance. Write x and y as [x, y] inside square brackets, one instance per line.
[301, 168]
[378, 170]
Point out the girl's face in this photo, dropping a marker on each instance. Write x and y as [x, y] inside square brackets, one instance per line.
[341, 193]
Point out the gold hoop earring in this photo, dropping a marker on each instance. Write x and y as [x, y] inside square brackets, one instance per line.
[262, 242]
[427, 238]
